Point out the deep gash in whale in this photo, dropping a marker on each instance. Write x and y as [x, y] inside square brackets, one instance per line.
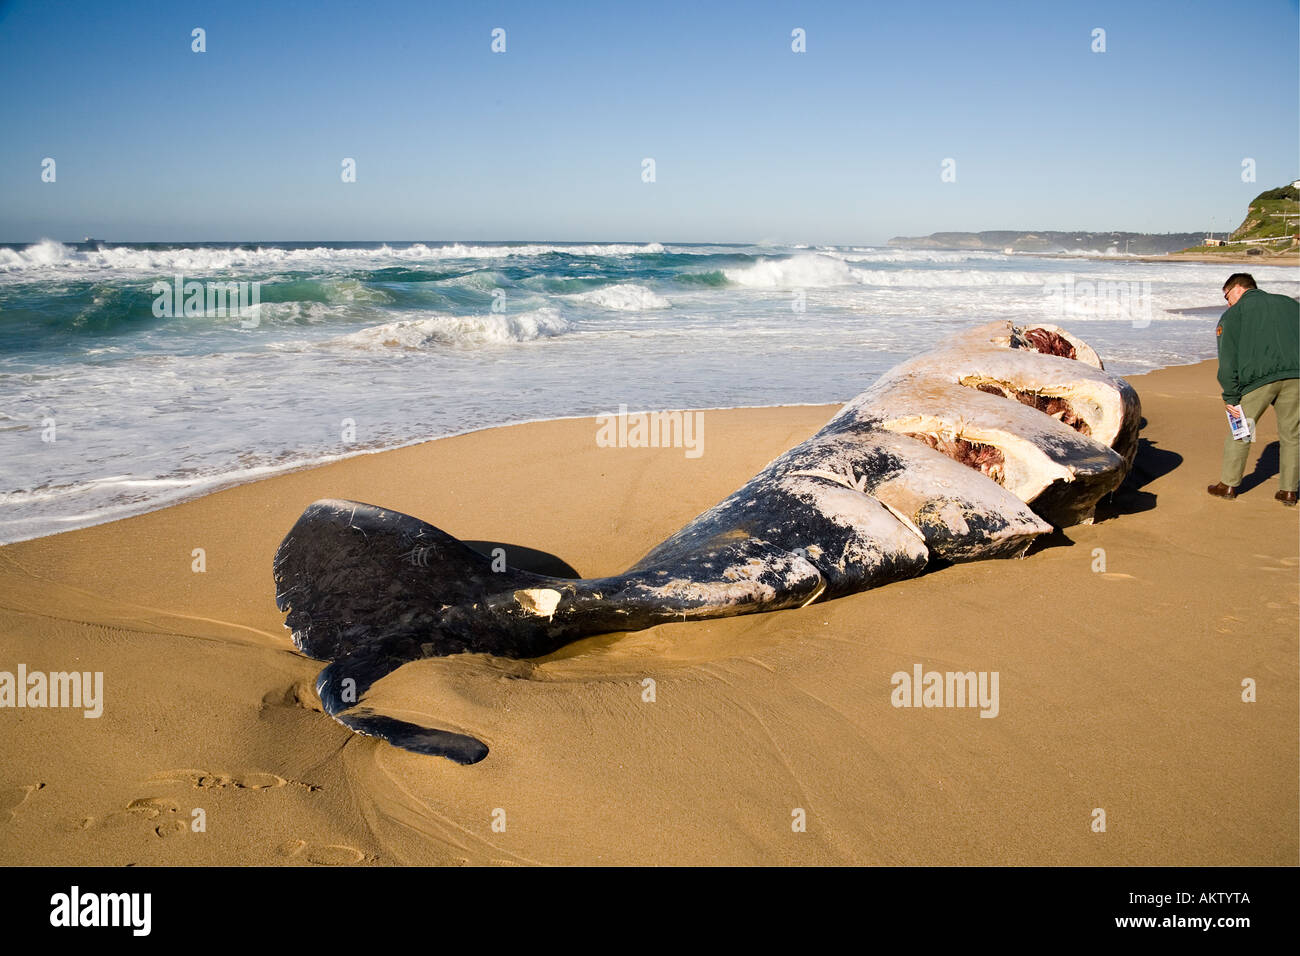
[970, 450]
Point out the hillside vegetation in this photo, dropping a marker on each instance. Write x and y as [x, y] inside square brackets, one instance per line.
[1273, 214]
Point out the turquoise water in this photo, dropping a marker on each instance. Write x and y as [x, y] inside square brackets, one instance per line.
[362, 346]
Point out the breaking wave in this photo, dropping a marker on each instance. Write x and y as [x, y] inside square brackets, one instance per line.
[802, 271]
[628, 297]
[824, 271]
[463, 331]
[50, 256]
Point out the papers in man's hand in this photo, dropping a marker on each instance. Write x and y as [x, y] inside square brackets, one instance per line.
[1243, 429]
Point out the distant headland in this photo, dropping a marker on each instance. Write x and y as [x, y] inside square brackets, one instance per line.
[1044, 241]
[1270, 231]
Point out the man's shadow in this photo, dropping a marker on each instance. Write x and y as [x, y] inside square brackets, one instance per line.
[1266, 467]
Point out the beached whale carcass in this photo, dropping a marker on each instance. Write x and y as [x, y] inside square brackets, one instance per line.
[967, 451]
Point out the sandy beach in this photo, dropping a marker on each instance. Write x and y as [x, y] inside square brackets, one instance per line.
[1287, 257]
[1121, 649]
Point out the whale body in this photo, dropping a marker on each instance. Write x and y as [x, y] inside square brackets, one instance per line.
[970, 450]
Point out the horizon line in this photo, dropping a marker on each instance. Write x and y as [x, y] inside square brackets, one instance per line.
[626, 241]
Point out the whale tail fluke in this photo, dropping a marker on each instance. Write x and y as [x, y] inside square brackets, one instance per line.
[458, 748]
[343, 684]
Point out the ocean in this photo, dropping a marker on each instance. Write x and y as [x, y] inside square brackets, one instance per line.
[119, 396]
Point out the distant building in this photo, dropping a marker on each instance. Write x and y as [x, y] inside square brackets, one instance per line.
[1215, 242]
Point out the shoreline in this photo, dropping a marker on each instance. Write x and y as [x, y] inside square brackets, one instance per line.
[1172, 257]
[1292, 260]
[1284, 261]
[268, 472]
[1120, 667]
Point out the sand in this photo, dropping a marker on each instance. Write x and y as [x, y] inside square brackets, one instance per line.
[1278, 257]
[1275, 257]
[1121, 650]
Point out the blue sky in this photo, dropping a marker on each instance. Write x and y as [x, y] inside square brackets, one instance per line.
[840, 144]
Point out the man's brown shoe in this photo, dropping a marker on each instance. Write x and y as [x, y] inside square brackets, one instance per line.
[1221, 490]
[1286, 497]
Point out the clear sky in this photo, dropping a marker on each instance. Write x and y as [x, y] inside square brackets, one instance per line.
[840, 144]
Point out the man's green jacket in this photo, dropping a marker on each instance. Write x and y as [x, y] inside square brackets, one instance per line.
[1259, 342]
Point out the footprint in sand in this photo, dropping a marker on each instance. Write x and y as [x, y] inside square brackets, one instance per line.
[164, 814]
[335, 854]
[1229, 624]
[11, 798]
[300, 694]
[207, 780]
[159, 814]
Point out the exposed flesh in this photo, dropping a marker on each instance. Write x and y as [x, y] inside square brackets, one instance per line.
[1058, 408]
[1043, 340]
[986, 459]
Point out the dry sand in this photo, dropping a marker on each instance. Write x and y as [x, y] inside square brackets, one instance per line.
[1119, 689]
[1283, 257]
[1280, 257]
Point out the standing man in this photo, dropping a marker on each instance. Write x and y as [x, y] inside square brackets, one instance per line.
[1259, 366]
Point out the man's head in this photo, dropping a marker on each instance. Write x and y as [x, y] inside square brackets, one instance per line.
[1238, 284]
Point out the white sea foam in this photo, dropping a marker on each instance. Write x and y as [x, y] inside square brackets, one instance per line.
[628, 297]
[941, 278]
[869, 254]
[43, 255]
[458, 251]
[49, 256]
[798, 272]
[819, 270]
[459, 331]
